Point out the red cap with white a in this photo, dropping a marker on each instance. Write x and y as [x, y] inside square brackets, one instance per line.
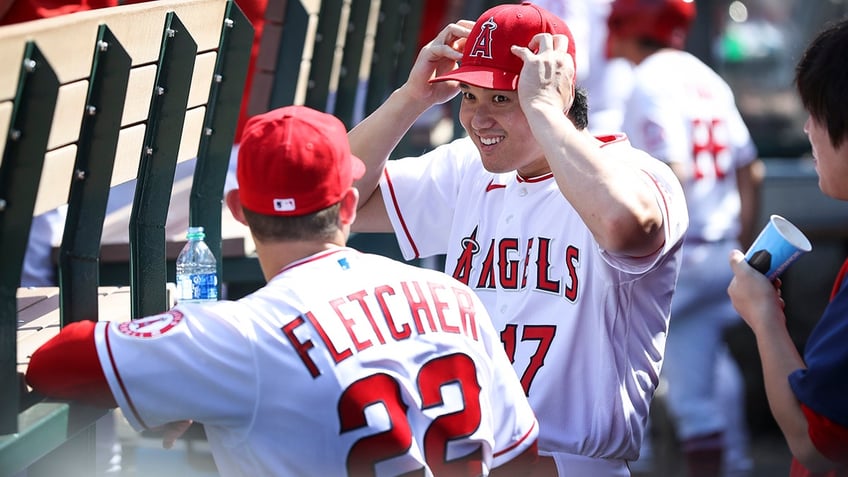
[487, 61]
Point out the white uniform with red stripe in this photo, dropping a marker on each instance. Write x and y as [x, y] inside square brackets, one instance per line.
[585, 329]
[683, 113]
[326, 370]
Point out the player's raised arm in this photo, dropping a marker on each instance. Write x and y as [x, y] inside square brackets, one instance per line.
[613, 196]
[373, 139]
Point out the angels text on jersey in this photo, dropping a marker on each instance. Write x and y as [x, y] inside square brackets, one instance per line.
[503, 259]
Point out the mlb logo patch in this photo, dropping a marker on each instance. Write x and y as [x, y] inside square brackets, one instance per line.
[284, 205]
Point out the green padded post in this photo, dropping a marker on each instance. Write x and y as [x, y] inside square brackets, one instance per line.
[219, 128]
[290, 55]
[20, 174]
[394, 46]
[394, 53]
[356, 62]
[148, 273]
[79, 274]
[327, 54]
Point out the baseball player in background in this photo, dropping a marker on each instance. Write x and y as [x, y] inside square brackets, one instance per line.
[571, 241]
[684, 114]
[344, 363]
[607, 81]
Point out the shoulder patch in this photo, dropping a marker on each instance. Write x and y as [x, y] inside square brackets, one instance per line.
[151, 326]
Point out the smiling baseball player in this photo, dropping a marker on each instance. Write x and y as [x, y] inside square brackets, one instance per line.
[571, 241]
[343, 364]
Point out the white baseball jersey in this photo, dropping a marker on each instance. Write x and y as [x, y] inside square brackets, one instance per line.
[682, 112]
[344, 363]
[585, 330]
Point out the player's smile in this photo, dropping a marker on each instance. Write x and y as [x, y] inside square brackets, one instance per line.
[490, 141]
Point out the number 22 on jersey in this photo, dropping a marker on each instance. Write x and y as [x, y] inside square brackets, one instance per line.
[383, 389]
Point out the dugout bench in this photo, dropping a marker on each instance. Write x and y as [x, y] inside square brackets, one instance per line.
[101, 98]
[96, 99]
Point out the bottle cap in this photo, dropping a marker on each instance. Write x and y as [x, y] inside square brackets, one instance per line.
[195, 233]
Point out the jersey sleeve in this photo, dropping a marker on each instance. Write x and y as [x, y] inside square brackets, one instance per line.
[653, 123]
[67, 367]
[829, 438]
[186, 363]
[671, 202]
[421, 195]
[822, 386]
[742, 145]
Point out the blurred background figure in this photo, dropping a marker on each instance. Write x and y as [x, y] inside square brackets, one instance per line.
[607, 81]
[683, 113]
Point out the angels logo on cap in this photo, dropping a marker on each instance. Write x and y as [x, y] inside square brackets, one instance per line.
[487, 61]
[483, 44]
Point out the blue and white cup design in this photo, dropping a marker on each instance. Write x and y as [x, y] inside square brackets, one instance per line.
[779, 244]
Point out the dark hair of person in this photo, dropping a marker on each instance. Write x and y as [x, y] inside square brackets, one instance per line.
[821, 77]
[650, 44]
[323, 224]
[579, 112]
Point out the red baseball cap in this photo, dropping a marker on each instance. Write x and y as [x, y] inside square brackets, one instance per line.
[294, 161]
[487, 61]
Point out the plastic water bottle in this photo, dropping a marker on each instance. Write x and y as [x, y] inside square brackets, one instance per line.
[197, 270]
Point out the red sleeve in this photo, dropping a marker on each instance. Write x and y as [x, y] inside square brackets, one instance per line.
[67, 367]
[837, 284]
[27, 10]
[830, 438]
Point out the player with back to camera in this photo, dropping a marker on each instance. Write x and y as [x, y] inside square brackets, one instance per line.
[683, 113]
[571, 241]
[344, 363]
[807, 394]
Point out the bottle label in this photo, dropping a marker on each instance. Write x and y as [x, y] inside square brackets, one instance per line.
[198, 287]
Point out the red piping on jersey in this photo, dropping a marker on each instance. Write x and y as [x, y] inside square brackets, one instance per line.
[531, 180]
[611, 139]
[492, 186]
[400, 216]
[118, 377]
[517, 443]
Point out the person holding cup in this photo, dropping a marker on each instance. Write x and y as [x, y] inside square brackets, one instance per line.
[807, 394]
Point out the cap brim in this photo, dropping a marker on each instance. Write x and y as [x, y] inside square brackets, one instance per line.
[482, 77]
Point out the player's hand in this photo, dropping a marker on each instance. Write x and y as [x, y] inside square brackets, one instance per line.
[757, 299]
[438, 57]
[173, 431]
[547, 77]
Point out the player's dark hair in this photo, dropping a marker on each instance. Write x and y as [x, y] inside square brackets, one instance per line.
[821, 77]
[651, 45]
[323, 224]
[579, 112]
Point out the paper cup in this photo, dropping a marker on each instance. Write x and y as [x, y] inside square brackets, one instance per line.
[779, 244]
